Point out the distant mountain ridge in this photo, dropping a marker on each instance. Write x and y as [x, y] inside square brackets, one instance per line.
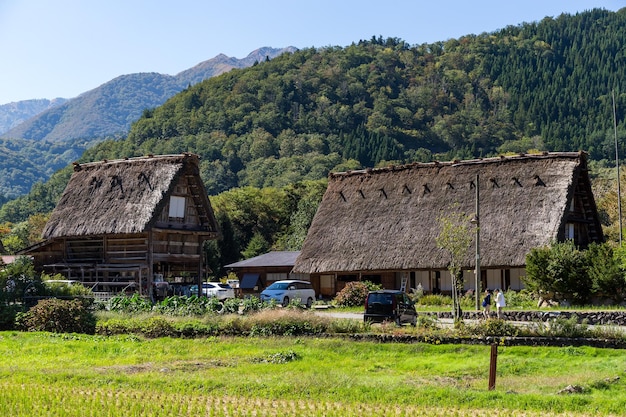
[12, 114]
[109, 110]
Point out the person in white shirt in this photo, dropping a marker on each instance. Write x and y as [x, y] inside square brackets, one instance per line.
[500, 302]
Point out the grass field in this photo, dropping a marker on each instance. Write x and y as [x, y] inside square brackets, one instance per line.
[45, 374]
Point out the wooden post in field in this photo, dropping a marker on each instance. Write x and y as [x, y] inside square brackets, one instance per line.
[492, 366]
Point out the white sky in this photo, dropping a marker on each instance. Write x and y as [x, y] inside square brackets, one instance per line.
[62, 48]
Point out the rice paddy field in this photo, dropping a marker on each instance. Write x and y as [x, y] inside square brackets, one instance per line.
[46, 374]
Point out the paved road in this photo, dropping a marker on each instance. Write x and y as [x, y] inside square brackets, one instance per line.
[448, 322]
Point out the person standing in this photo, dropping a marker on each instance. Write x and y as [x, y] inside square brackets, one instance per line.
[486, 304]
[500, 302]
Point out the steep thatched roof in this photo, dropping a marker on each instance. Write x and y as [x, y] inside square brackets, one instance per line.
[386, 219]
[276, 258]
[120, 196]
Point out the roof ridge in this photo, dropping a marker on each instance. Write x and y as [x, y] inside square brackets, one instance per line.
[456, 162]
[78, 166]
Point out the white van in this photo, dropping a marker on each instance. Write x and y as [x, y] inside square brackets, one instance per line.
[287, 290]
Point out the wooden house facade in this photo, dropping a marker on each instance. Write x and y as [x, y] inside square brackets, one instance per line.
[381, 224]
[137, 223]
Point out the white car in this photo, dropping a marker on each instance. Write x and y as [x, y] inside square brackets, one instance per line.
[287, 290]
[215, 289]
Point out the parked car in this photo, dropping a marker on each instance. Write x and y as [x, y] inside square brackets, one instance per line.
[288, 290]
[389, 305]
[214, 289]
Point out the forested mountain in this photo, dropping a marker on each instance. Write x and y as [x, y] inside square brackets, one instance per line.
[12, 114]
[544, 85]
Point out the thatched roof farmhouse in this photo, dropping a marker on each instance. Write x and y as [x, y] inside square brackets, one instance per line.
[381, 224]
[130, 221]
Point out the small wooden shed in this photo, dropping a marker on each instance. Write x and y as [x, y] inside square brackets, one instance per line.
[260, 271]
[137, 222]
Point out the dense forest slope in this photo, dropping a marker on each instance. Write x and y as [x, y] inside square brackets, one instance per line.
[24, 162]
[544, 85]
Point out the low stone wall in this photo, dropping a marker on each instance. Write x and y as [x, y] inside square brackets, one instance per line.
[615, 318]
[490, 340]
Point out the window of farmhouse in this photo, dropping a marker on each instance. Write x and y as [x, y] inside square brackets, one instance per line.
[177, 207]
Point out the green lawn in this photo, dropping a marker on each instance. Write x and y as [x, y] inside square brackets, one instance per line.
[78, 375]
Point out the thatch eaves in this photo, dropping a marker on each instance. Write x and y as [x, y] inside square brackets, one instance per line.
[386, 219]
[120, 196]
[270, 259]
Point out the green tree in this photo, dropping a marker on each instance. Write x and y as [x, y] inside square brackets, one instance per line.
[559, 271]
[257, 246]
[606, 271]
[455, 237]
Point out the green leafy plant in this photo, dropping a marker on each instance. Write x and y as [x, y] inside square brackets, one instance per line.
[565, 327]
[231, 306]
[252, 304]
[133, 304]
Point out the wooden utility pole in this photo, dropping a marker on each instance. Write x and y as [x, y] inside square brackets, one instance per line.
[477, 271]
[619, 193]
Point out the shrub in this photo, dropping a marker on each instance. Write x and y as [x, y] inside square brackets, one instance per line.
[286, 323]
[116, 326]
[8, 314]
[416, 293]
[157, 327]
[196, 328]
[346, 326]
[59, 316]
[565, 327]
[16, 278]
[522, 299]
[492, 327]
[435, 300]
[353, 294]
[426, 321]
